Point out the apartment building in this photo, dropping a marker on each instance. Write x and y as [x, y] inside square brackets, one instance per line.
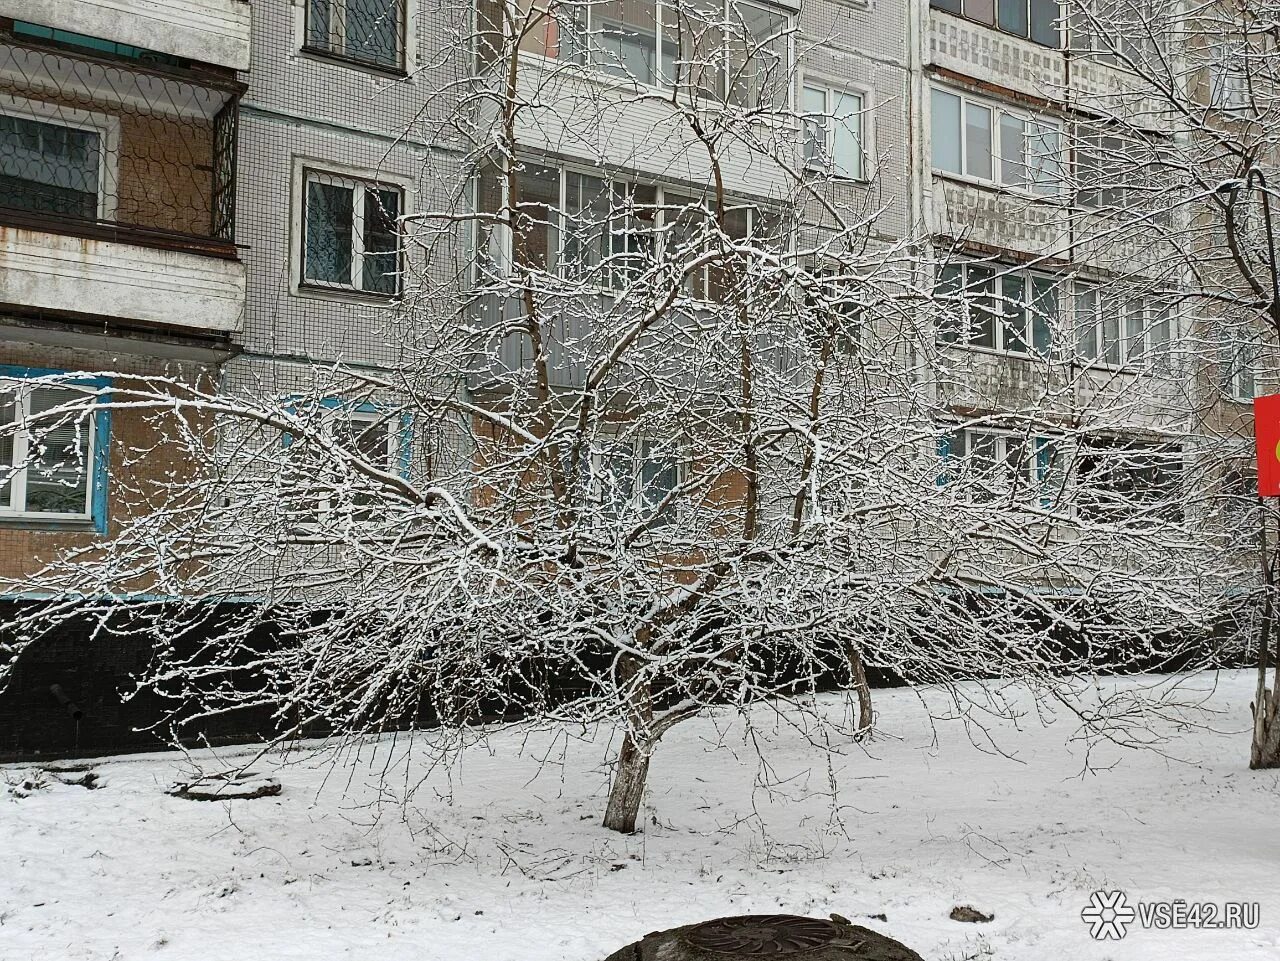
[1062, 318]
[131, 136]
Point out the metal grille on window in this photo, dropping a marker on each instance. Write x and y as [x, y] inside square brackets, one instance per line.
[351, 235]
[225, 138]
[369, 31]
[102, 139]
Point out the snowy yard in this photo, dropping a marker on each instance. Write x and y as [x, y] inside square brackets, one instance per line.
[502, 858]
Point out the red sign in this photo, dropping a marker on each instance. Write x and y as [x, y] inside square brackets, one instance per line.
[1266, 427]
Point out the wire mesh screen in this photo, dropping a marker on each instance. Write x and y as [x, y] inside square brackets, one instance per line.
[88, 143]
[371, 31]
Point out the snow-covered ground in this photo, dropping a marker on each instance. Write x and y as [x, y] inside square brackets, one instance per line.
[501, 858]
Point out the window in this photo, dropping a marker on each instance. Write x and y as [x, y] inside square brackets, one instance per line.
[1117, 330]
[368, 31]
[833, 131]
[371, 434]
[351, 238]
[992, 466]
[1228, 76]
[1239, 351]
[322, 486]
[997, 307]
[51, 168]
[52, 453]
[611, 232]
[732, 49]
[1033, 19]
[634, 477]
[1122, 479]
[973, 138]
[835, 301]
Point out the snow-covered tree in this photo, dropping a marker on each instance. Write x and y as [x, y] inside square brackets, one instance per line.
[659, 443]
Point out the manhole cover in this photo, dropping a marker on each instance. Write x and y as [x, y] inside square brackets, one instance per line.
[765, 935]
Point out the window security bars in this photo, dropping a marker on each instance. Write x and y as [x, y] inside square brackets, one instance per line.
[351, 234]
[366, 31]
[104, 146]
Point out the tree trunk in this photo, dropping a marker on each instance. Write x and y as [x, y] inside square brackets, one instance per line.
[858, 671]
[1264, 750]
[629, 777]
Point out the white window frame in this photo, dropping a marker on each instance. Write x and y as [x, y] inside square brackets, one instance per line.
[1034, 479]
[828, 162]
[854, 312]
[639, 450]
[1116, 324]
[584, 50]
[303, 169]
[371, 418]
[1001, 333]
[1053, 188]
[328, 417]
[1238, 364]
[15, 506]
[1228, 74]
[611, 182]
[104, 125]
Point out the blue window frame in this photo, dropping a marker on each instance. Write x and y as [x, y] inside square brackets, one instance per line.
[381, 424]
[53, 463]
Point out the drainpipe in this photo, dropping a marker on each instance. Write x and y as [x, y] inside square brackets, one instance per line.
[60, 695]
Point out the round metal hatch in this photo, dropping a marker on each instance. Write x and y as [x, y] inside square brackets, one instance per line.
[762, 935]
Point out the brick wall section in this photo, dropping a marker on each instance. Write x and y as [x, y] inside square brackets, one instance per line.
[166, 174]
[138, 451]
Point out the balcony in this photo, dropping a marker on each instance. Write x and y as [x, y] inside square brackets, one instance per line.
[117, 191]
[214, 32]
[998, 219]
[984, 53]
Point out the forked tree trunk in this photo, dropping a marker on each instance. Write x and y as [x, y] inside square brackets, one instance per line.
[630, 774]
[858, 671]
[631, 770]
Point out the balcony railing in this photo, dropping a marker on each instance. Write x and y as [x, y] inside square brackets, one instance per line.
[104, 148]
